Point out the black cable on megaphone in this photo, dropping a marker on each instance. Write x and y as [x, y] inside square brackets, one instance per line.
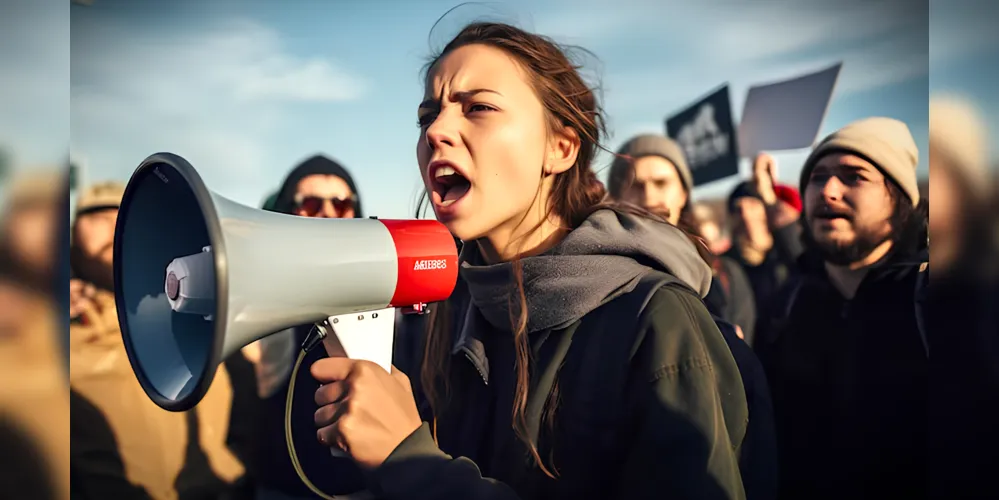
[198, 277]
[319, 332]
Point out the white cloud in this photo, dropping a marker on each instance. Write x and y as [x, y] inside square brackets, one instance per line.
[768, 30]
[719, 32]
[692, 48]
[871, 67]
[671, 88]
[582, 24]
[213, 96]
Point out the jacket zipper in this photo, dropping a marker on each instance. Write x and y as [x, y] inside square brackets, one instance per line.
[476, 365]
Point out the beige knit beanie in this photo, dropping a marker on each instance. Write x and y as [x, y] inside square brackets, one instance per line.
[884, 141]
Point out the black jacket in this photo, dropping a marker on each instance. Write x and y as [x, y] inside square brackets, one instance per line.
[779, 267]
[962, 321]
[848, 380]
[671, 429]
[731, 297]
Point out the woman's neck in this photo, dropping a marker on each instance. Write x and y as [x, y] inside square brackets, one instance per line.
[505, 245]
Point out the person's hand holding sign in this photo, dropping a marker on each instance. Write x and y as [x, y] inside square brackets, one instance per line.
[764, 175]
[363, 410]
[81, 297]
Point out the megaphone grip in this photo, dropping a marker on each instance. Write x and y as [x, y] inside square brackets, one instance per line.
[363, 495]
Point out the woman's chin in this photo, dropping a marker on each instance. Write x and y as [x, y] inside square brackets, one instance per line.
[460, 228]
[465, 228]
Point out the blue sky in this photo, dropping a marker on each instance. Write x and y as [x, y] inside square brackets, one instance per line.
[245, 89]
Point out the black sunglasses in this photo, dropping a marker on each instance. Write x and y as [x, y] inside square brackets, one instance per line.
[312, 205]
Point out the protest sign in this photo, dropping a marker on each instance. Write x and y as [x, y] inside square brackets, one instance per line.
[786, 115]
[706, 133]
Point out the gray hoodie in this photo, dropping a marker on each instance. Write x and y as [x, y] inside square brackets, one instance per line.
[598, 261]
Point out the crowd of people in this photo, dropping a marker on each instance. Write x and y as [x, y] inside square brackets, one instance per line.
[602, 342]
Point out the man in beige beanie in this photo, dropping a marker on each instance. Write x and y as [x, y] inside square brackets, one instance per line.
[845, 348]
[859, 186]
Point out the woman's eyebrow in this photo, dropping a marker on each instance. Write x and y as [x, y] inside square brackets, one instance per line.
[457, 96]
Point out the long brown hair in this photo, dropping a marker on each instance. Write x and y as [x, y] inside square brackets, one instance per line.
[575, 195]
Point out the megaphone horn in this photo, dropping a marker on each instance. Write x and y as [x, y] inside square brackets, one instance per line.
[198, 276]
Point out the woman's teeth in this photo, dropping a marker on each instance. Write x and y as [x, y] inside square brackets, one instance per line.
[444, 171]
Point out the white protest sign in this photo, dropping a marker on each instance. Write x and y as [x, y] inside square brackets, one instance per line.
[786, 115]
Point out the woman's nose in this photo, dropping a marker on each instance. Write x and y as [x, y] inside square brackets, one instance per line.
[441, 133]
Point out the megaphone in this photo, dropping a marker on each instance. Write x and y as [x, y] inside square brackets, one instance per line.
[198, 276]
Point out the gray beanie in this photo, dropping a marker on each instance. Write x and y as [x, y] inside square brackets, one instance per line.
[648, 145]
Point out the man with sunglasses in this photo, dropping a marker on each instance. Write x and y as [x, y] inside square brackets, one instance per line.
[322, 188]
[319, 187]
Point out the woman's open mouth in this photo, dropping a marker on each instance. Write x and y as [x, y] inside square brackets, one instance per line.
[447, 183]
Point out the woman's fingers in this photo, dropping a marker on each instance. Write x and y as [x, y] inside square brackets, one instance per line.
[332, 369]
[401, 377]
[331, 393]
[329, 419]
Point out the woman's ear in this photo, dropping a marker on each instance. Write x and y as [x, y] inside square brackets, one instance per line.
[563, 151]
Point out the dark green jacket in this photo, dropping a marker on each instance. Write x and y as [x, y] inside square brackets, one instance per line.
[670, 429]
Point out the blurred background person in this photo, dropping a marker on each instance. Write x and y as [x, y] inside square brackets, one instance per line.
[317, 187]
[650, 171]
[28, 249]
[34, 410]
[962, 306]
[123, 443]
[765, 233]
[709, 225]
[962, 232]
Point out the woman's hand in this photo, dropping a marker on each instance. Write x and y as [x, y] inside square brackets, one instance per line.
[363, 410]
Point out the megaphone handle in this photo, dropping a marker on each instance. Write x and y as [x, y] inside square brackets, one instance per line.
[367, 335]
[319, 332]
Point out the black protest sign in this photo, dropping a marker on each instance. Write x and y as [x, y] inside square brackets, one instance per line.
[707, 135]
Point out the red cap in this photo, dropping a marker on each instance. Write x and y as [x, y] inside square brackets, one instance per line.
[788, 195]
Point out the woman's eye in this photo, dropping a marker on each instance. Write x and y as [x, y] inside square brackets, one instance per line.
[479, 107]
